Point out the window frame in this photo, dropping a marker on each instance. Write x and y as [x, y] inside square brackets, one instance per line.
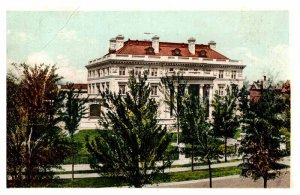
[154, 92]
[221, 74]
[122, 70]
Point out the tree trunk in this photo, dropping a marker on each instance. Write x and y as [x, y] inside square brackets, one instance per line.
[73, 157]
[225, 148]
[210, 175]
[163, 171]
[265, 182]
[178, 132]
[192, 156]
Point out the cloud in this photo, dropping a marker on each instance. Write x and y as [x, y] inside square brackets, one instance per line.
[274, 64]
[39, 58]
[20, 36]
[68, 35]
[279, 62]
[69, 72]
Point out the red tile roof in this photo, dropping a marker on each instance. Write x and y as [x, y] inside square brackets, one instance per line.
[136, 47]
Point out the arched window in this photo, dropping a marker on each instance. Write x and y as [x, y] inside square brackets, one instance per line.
[95, 110]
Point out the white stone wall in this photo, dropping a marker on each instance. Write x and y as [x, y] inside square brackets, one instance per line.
[205, 72]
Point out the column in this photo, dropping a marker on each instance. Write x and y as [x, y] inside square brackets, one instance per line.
[186, 90]
[210, 100]
[201, 92]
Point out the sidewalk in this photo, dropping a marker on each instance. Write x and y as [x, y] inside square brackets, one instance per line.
[86, 167]
[177, 169]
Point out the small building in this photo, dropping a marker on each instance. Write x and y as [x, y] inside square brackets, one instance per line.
[258, 86]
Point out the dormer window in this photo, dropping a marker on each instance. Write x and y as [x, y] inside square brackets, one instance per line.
[202, 53]
[176, 52]
[149, 50]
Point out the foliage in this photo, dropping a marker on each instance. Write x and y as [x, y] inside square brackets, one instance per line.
[136, 142]
[225, 115]
[34, 144]
[261, 122]
[74, 111]
[173, 87]
[197, 131]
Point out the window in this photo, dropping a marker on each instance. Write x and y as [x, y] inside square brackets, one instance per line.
[89, 75]
[233, 74]
[98, 71]
[221, 72]
[195, 70]
[221, 90]
[90, 88]
[122, 89]
[202, 53]
[103, 71]
[171, 69]
[98, 87]
[149, 50]
[122, 71]
[207, 71]
[103, 86]
[176, 52]
[107, 86]
[154, 72]
[138, 71]
[108, 71]
[95, 110]
[154, 90]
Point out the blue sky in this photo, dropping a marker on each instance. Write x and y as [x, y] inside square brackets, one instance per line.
[70, 39]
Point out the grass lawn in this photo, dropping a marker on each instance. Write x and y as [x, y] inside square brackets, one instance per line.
[99, 182]
[82, 155]
[168, 177]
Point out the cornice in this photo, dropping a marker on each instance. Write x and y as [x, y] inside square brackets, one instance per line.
[159, 63]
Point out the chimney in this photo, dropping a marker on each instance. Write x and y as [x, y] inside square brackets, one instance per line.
[155, 43]
[112, 45]
[119, 42]
[191, 42]
[212, 45]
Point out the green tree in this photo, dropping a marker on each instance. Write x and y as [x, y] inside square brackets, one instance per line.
[74, 111]
[173, 87]
[136, 142]
[34, 143]
[197, 131]
[286, 117]
[208, 148]
[225, 115]
[15, 132]
[192, 120]
[262, 122]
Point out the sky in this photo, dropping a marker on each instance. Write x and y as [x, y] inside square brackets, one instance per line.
[69, 39]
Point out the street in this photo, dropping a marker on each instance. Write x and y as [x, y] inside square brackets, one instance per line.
[236, 181]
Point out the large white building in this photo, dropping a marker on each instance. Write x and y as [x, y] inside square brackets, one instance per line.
[205, 69]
